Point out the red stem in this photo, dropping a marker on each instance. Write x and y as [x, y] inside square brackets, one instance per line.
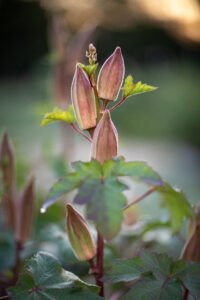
[80, 132]
[186, 294]
[100, 248]
[16, 268]
[151, 190]
[116, 105]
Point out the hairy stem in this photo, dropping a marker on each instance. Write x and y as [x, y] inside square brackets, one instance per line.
[80, 132]
[116, 105]
[151, 190]
[100, 249]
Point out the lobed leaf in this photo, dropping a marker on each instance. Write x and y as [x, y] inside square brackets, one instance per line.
[130, 88]
[150, 288]
[104, 202]
[46, 279]
[191, 279]
[159, 264]
[67, 116]
[177, 204]
[139, 170]
[61, 187]
[125, 270]
[99, 188]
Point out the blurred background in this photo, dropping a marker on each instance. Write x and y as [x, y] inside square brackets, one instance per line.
[42, 40]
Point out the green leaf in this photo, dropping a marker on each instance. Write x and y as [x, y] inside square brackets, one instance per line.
[130, 88]
[72, 180]
[153, 225]
[139, 170]
[46, 279]
[159, 264]
[67, 116]
[89, 69]
[150, 288]
[61, 187]
[191, 279]
[93, 175]
[177, 204]
[104, 201]
[125, 270]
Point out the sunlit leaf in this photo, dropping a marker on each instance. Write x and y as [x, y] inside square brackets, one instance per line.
[89, 69]
[59, 115]
[130, 88]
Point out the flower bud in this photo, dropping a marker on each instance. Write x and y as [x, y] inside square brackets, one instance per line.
[191, 251]
[7, 170]
[25, 214]
[111, 76]
[79, 235]
[83, 100]
[105, 139]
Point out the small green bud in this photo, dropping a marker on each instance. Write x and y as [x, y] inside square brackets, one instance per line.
[105, 139]
[79, 235]
[111, 76]
[83, 100]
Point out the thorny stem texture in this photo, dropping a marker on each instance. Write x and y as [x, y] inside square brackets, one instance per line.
[151, 190]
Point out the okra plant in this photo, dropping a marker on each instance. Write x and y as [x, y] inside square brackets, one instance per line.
[99, 186]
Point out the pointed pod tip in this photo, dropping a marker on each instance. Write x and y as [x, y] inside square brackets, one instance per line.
[118, 50]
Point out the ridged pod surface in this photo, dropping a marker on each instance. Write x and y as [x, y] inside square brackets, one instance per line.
[105, 139]
[79, 235]
[111, 76]
[83, 100]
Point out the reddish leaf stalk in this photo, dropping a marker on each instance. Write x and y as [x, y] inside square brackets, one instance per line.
[151, 190]
[81, 133]
[186, 294]
[119, 103]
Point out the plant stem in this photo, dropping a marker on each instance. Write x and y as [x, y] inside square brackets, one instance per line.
[80, 132]
[151, 190]
[105, 103]
[116, 105]
[16, 268]
[186, 294]
[98, 108]
[100, 248]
